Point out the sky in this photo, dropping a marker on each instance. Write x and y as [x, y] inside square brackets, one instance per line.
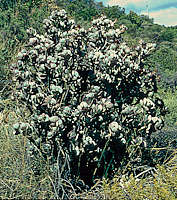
[164, 12]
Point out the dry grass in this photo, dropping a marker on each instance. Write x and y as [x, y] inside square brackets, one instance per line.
[17, 176]
[161, 186]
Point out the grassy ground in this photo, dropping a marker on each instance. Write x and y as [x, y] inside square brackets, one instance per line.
[18, 179]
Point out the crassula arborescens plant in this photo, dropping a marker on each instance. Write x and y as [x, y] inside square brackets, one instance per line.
[89, 94]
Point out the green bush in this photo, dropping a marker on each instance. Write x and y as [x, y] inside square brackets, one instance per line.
[165, 59]
[169, 99]
[168, 35]
[81, 10]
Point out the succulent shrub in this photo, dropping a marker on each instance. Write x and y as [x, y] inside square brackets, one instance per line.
[90, 96]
